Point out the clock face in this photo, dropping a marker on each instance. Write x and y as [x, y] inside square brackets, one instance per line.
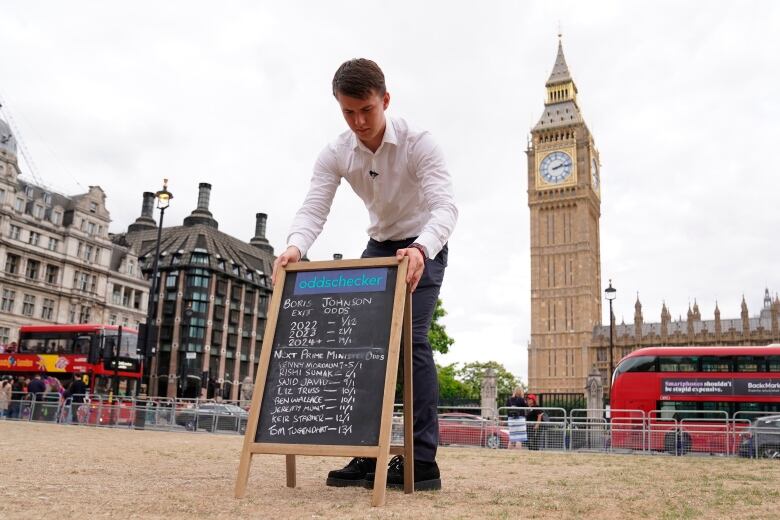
[594, 173]
[556, 167]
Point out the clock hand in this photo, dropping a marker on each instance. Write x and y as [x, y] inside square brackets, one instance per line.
[561, 165]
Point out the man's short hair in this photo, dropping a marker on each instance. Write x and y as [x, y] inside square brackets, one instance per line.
[358, 78]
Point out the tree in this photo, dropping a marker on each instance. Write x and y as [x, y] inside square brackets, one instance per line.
[449, 386]
[437, 335]
[471, 376]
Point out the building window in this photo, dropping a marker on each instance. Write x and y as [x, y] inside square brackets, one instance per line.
[171, 279]
[56, 218]
[47, 199]
[28, 305]
[47, 309]
[53, 244]
[85, 315]
[5, 335]
[2, 192]
[28, 190]
[34, 238]
[12, 263]
[97, 255]
[199, 258]
[33, 268]
[16, 232]
[79, 249]
[91, 228]
[81, 281]
[92, 207]
[72, 313]
[130, 268]
[38, 211]
[52, 274]
[19, 204]
[88, 252]
[7, 303]
[116, 295]
[112, 319]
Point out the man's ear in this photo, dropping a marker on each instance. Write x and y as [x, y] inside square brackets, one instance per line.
[386, 101]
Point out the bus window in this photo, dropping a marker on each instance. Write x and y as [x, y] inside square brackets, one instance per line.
[716, 364]
[81, 345]
[750, 364]
[678, 364]
[773, 363]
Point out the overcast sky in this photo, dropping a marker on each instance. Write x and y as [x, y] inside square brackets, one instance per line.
[682, 98]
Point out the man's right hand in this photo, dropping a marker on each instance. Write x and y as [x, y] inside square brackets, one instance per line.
[290, 256]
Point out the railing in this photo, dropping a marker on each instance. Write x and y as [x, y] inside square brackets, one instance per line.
[746, 434]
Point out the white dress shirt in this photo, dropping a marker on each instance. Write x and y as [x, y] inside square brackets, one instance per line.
[410, 197]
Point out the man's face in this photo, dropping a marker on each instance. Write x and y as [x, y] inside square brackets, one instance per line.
[365, 117]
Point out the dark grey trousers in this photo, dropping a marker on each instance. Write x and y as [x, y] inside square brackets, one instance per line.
[425, 380]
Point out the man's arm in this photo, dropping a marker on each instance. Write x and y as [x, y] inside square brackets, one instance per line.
[311, 217]
[436, 184]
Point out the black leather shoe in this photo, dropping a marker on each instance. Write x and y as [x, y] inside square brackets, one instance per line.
[426, 475]
[353, 474]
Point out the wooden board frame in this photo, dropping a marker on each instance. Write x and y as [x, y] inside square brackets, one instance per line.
[400, 327]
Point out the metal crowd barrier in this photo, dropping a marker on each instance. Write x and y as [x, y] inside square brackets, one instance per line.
[678, 433]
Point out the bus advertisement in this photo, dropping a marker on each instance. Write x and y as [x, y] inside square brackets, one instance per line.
[107, 354]
[686, 395]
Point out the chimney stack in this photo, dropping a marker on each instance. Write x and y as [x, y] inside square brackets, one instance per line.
[146, 220]
[202, 215]
[259, 240]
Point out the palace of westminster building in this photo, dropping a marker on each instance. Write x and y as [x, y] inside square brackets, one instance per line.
[567, 338]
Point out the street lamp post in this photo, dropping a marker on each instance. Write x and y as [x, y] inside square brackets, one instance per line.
[610, 293]
[163, 201]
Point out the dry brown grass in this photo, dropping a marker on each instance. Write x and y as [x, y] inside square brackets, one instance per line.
[85, 472]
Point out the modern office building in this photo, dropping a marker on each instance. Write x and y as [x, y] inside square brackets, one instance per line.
[213, 294]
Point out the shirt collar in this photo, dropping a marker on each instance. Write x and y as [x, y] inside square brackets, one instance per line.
[390, 137]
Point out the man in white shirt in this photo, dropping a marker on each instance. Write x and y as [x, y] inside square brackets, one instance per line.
[400, 174]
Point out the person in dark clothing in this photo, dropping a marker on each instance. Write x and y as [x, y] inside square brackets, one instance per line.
[75, 393]
[534, 419]
[37, 387]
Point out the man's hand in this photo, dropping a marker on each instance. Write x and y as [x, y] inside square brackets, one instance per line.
[290, 256]
[416, 266]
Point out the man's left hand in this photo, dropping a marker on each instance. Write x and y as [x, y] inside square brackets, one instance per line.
[416, 266]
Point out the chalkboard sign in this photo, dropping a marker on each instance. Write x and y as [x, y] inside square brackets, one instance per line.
[325, 378]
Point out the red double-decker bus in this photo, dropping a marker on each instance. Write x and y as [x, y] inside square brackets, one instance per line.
[107, 354]
[694, 391]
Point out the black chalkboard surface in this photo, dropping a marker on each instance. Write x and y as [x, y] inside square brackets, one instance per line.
[325, 383]
[326, 374]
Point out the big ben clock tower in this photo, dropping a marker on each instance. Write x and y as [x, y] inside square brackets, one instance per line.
[564, 200]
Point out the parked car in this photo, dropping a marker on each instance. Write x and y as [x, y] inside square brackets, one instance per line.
[762, 438]
[213, 417]
[464, 428]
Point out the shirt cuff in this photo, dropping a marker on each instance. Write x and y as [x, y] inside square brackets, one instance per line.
[298, 240]
[431, 245]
